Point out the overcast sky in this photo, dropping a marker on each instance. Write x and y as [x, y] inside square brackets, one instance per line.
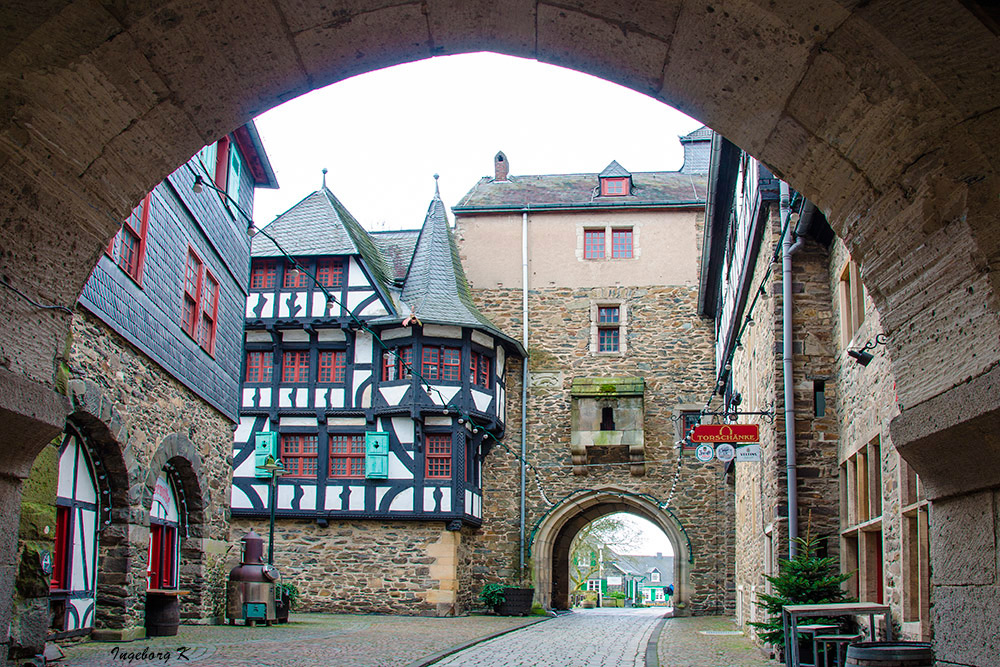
[383, 135]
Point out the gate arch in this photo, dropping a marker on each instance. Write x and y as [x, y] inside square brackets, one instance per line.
[550, 547]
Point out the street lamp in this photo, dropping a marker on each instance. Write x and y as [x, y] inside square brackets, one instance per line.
[277, 470]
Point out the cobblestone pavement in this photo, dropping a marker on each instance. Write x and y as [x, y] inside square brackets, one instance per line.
[585, 638]
[693, 642]
[329, 640]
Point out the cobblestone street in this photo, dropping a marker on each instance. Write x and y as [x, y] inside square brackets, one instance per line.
[589, 638]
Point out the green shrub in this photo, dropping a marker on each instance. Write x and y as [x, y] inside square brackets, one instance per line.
[492, 595]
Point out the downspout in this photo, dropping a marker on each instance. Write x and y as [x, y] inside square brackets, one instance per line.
[524, 376]
[788, 246]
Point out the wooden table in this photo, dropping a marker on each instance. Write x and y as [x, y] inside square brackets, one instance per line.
[790, 615]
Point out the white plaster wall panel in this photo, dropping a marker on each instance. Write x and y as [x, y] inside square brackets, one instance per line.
[392, 334]
[403, 428]
[88, 546]
[379, 495]
[346, 421]
[82, 607]
[244, 430]
[393, 395]
[366, 397]
[363, 348]
[285, 494]
[248, 395]
[302, 397]
[321, 397]
[468, 502]
[429, 504]
[437, 421]
[247, 468]
[442, 395]
[308, 499]
[445, 498]
[295, 336]
[265, 398]
[478, 506]
[355, 274]
[67, 469]
[443, 331]
[501, 360]
[77, 580]
[357, 499]
[403, 502]
[285, 397]
[319, 304]
[330, 335]
[502, 405]
[238, 499]
[396, 468]
[337, 397]
[481, 399]
[483, 339]
[258, 337]
[298, 299]
[355, 299]
[375, 308]
[261, 491]
[298, 421]
[332, 500]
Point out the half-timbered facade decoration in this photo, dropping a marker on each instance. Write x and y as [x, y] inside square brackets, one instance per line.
[381, 382]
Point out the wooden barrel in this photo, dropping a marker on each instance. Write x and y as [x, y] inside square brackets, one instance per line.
[890, 654]
[163, 615]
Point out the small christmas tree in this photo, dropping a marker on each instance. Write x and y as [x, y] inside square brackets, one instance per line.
[804, 579]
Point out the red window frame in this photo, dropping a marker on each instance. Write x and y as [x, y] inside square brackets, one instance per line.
[208, 321]
[441, 363]
[593, 244]
[299, 454]
[621, 243]
[608, 340]
[437, 456]
[290, 281]
[614, 187]
[347, 456]
[131, 240]
[193, 271]
[162, 556]
[608, 328]
[332, 367]
[60, 561]
[263, 274]
[479, 370]
[397, 364]
[260, 366]
[608, 314]
[330, 272]
[295, 366]
[222, 163]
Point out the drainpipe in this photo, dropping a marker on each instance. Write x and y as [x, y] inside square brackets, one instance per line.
[787, 248]
[524, 375]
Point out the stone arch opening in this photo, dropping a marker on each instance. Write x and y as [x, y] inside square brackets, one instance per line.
[552, 543]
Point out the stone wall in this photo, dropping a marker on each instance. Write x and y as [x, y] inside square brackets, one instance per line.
[668, 346]
[139, 419]
[385, 567]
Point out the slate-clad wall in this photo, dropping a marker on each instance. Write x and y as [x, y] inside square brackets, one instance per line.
[149, 316]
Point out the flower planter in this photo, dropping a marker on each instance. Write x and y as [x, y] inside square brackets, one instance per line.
[517, 602]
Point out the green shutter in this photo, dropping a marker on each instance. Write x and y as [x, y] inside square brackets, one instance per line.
[265, 445]
[377, 455]
[233, 179]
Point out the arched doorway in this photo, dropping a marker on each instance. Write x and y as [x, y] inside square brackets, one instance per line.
[553, 538]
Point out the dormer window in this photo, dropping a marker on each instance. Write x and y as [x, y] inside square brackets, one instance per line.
[614, 187]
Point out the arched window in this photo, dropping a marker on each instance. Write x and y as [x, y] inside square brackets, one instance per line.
[164, 545]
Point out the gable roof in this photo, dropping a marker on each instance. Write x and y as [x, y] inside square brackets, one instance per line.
[642, 565]
[614, 170]
[321, 225]
[397, 248]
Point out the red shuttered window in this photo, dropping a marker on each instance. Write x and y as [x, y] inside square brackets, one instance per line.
[438, 456]
[396, 363]
[479, 370]
[295, 277]
[209, 313]
[295, 366]
[259, 366]
[347, 456]
[192, 294]
[330, 273]
[298, 454]
[332, 366]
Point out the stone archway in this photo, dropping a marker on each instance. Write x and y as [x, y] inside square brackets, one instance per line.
[550, 548]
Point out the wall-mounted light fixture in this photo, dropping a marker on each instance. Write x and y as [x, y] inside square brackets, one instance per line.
[863, 356]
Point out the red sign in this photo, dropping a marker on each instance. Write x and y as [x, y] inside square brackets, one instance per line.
[726, 433]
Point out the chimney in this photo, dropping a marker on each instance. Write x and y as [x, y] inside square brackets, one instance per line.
[659, 554]
[501, 167]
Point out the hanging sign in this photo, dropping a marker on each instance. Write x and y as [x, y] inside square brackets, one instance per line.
[748, 453]
[704, 453]
[725, 452]
[726, 433]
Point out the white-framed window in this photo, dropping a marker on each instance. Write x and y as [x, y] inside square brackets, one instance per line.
[593, 584]
[654, 576]
[608, 321]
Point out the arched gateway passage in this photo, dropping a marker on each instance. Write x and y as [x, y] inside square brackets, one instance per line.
[883, 114]
[553, 538]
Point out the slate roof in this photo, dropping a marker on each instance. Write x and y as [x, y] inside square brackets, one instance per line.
[557, 191]
[614, 170]
[436, 289]
[397, 248]
[641, 565]
[703, 133]
[697, 151]
[321, 225]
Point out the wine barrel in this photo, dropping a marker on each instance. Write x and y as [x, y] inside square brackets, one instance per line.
[163, 615]
[890, 654]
